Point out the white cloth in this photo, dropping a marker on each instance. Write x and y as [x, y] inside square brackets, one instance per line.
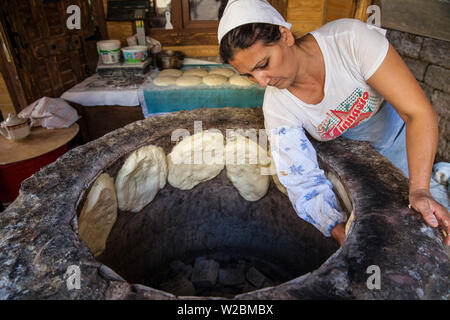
[440, 183]
[51, 113]
[240, 12]
[95, 91]
[352, 52]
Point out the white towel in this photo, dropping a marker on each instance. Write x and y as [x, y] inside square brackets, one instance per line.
[51, 113]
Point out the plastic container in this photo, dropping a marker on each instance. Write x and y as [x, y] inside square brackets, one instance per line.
[135, 54]
[109, 50]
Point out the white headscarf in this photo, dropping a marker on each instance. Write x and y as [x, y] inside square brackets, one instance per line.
[240, 12]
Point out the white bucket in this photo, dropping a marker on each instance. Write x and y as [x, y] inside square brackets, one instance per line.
[109, 50]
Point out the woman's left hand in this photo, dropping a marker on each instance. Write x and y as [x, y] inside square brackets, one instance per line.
[432, 211]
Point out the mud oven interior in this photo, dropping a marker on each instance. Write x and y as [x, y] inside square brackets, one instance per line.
[210, 241]
[220, 236]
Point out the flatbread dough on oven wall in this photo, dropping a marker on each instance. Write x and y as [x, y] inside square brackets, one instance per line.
[142, 175]
[99, 214]
[195, 159]
[247, 167]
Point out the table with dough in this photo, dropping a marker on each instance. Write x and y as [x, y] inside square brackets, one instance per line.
[186, 92]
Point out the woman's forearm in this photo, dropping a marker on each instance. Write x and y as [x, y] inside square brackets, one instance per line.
[421, 144]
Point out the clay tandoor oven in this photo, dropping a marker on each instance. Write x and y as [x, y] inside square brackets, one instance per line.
[256, 250]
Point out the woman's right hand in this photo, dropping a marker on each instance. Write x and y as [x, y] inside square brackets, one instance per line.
[432, 211]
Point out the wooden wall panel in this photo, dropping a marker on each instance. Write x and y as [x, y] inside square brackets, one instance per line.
[197, 51]
[118, 30]
[48, 57]
[422, 17]
[6, 104]
[306, 15]
[338, 9]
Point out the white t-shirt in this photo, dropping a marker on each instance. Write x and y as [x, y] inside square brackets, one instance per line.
[352, 52]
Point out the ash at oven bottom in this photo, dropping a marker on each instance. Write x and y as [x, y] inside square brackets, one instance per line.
[217, 275]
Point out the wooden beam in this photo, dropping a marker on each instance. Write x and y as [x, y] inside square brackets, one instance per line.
[361, 9]
[196, 51]
[10, 74]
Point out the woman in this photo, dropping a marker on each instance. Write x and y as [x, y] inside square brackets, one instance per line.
[334, 81]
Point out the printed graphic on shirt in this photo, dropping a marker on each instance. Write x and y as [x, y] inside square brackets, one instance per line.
[357, 107]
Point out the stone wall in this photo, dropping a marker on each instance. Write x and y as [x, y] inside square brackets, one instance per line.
[429, 61]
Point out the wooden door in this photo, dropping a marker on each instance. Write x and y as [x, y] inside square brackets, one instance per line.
[48, 57]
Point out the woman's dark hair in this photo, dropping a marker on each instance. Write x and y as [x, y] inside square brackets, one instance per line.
[245, 36]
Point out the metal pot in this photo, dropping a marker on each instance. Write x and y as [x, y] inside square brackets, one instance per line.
[169, 59]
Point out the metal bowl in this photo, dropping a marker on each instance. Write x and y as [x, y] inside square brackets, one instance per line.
[169, 59]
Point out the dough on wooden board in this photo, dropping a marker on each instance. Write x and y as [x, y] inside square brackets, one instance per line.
[142, 175]
[188, 81]
[247, 167]
[241, 81]
[226, 72]
[199, 72]
[99, 214]
[195, 159]
[214, 80]
[171, 73]
[165, 81]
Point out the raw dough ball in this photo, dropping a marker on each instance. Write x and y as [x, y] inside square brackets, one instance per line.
[199, 72]
[140, 178]
[171, 73]
[226, 72]
[247, 166]
[187, 81]
[242, 81]
[99, 214]
[196, 159]
[165, 81]
[214, 80]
